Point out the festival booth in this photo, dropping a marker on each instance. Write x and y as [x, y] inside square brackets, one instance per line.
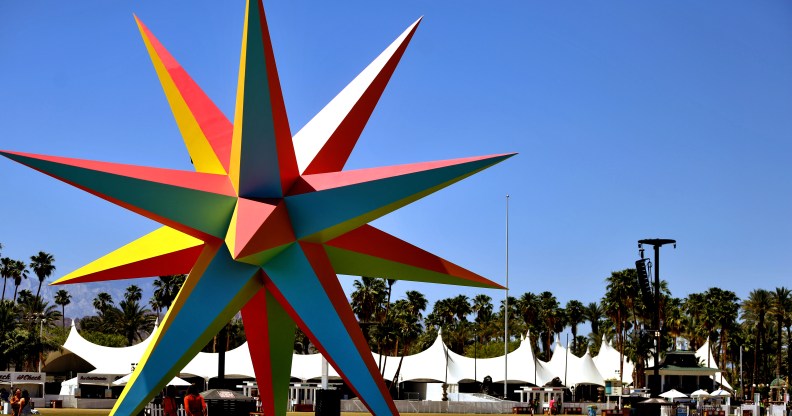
[32, 382]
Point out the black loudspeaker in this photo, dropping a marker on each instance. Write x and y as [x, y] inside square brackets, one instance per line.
[643, 283]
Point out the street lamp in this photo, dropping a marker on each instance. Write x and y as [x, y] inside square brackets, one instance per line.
[475, 359]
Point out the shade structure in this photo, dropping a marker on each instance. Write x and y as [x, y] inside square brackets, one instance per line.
[673, 394]
[699, 393]
[176, 381]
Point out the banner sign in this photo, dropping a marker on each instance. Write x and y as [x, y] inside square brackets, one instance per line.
[12, 377]
[91, 378]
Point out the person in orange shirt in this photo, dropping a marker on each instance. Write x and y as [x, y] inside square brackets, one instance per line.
[194, 404]
[170, 406]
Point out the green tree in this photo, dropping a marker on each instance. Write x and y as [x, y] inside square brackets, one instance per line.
[18, 271]
[723, 307]
[42, 265]
[552, 318]
[575, 315]
[6, 272]
[780, 310]
[102, 301]
[368, 300]
[755, 309]
[165, 290]
[619, 300]
[132, 319]
[63, 298]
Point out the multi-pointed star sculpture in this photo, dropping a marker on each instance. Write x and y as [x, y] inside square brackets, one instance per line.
[265, 223]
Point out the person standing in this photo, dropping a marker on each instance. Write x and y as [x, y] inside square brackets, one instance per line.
[15, 402]
[25, 407]
[194, 404]
[170, 406]
[551, 408]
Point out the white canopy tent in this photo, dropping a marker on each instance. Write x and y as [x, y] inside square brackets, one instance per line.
[705, 354]
[436, 364]
[607, 362]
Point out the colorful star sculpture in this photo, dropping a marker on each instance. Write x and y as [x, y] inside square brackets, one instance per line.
[265, 223]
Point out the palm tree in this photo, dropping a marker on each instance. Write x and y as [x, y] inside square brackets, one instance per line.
[102, 302]
[165, 290]
[551, 316]
[617, 303]
[133, 293]
[529, 308]
[42, 265]
[575, 312]
[694, 305]
[407, 320]
[780, 310]
[368, 298]
[724, 307]
[19, 271]
[133, 320]
[594, 315]
[755, 309]
[367, 301]
[63, 298]
[6, 271]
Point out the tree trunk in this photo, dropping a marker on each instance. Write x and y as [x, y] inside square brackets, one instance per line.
[398, 368]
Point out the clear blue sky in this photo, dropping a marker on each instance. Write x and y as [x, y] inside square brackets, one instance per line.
[632, 119]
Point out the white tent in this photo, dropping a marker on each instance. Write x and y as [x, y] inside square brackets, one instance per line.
[436, 364]
[607, 362]
[106, 360]
[673, 394]
[705, 354]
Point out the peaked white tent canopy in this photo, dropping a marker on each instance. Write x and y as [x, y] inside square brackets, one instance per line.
[435, 364]
[705, 354]
[607, 362]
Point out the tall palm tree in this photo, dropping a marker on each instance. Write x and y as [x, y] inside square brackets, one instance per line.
[408, 324]
[755, 309]
[594, 315]
[6, 272]
[620, 294]
[19, 271]
[165, 290]
[368, 298]
[780, 310]
[102, 302]
[63, 298]
[133, 320]
[42, 266]
[575, 312]
[133, 293]
[551, 316]
[694, 305]
[724, 307]
[529, 307]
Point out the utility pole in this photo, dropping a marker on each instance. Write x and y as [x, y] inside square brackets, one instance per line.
[656, 243]
[506, 312]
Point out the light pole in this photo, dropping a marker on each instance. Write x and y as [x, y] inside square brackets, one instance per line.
[656, 243]
[41, 330]
[475, 359]
[506, 312]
